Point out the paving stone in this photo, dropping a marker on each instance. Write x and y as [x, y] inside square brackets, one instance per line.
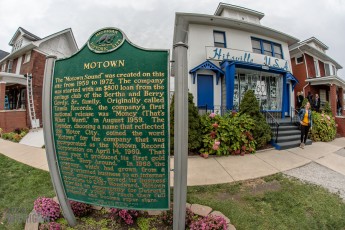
[154, 212]
[56, 199]
[217, 213]
[188, 205]
[95, 207]
[201, 210]
[32, 221]
[231, 227]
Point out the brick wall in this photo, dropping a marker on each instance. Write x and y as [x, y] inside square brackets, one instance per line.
[12, 119]
[340, 121]
[300, 73]
[35, 67]
[2, 95]
[322, 69]
[310, 64]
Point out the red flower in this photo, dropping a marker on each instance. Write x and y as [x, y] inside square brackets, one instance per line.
[215, 125]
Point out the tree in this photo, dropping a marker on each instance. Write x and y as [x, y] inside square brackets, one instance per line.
[194, 126]
[262, 132]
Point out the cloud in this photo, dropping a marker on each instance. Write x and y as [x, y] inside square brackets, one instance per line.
[149, 23]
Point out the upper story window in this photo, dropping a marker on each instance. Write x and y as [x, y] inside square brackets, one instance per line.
[267, 48]
[219, 39]
[334, 70]
[317, 69]
[299, 60]
[3, 67]
[327, 70]
[9, 67]
[17, 45]
[27, 57]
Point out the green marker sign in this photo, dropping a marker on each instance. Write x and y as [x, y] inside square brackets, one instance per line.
[110, 114]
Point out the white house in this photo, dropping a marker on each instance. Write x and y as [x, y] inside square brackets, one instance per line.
[230, 52]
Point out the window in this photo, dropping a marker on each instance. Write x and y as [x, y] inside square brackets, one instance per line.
[3, 67]
[219, 39]
[317, 70]
[27, 57]
[9, 67]
[17, 45]
[334, 70]
[327, 70]
[299, 60]
[267, 48]
[256, 46]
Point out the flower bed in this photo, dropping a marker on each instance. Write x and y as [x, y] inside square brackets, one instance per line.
[14, 136]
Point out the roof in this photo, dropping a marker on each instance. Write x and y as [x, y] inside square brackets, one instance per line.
[317, 41]
[223, 6]
[327, 81]
[26, 34]
[182, 20]
[305, 47]
[3, 54]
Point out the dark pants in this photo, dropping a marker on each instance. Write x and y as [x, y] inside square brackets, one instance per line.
[304, 133]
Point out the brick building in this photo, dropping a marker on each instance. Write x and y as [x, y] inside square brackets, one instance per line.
[316, 72]
[27, 58]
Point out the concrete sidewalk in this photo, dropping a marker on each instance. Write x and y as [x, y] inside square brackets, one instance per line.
[215, 170]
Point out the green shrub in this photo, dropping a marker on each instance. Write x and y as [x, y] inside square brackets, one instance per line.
[194, 126]
[15, 136]
[228, 134]
[324, 127]
[262, 132]
[304, 102]
[327, 109]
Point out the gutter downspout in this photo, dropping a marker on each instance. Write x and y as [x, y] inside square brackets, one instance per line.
[306, 69]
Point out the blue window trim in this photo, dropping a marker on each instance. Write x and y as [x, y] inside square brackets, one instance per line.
[220, 32]
[272, 46]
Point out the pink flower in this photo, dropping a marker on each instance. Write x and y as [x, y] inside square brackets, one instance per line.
[217, 142]
[215, 125]
[322, 115]
[336, 125]
[215, 147]
[212, 115]
[328, 117]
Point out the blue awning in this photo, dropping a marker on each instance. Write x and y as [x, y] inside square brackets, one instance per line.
[293, 79]
[209, 66]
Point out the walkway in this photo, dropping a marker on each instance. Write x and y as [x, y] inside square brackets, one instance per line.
[215, 170]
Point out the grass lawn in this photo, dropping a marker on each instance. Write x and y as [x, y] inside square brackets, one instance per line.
[274, 202]
[20, 185]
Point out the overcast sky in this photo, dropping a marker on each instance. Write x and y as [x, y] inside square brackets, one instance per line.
[150, 23]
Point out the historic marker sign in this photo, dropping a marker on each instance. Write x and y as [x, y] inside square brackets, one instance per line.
[111, 123]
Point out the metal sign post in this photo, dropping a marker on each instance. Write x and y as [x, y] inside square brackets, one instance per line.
[49, 146]
[181, 137]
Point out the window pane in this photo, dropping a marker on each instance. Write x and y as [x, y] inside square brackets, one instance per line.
[278, 56]
[218, 37]
[299, 59]
[267, 46]
[258, 51]
[268, 53]
[256, 44]
[277, 49]
[327, 71]
[221, 45]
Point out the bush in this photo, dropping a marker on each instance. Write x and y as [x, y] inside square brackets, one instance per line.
[262, 132]
[304, 102]
[324, 127]
[47, 208]
[209, 222]
[127, 216]
[15, 136]
[228, 134]
[327, 109]
[194, 126]
[80, 209]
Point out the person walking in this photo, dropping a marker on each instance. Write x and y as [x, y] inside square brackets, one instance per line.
[306, 121]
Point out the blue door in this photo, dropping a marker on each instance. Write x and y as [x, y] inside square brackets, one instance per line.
[205, 92]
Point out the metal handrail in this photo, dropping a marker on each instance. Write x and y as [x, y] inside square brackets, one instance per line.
[295, 119]
[272, 121]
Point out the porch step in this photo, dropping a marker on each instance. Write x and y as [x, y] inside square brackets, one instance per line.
[291, 132]
[290, 138]
[289, 144]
